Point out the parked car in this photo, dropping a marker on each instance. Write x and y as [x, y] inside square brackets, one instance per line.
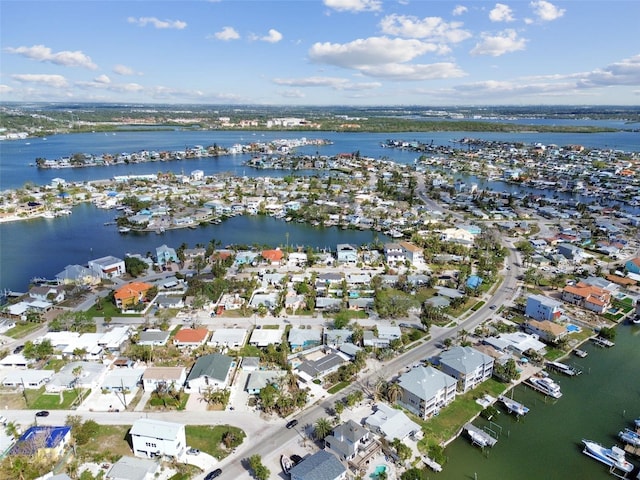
[42, 413]
[292, 423]
[216, 473]
[193, 451]
[296, 459]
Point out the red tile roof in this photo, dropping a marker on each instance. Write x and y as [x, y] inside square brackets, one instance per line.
[191, 335]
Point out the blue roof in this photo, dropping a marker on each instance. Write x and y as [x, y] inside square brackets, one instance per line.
[38, 437]
[474, 281]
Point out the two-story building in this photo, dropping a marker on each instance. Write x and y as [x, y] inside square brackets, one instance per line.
[156, 438]
[590, 297]
[540, 307]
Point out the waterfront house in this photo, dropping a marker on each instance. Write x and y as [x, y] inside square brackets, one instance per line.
[546, 330]
[392, 423]
[131, 468]
[393, 253]
[412, 253]
[540, 307]
[47, 293]
[190, 338]
[347, 440]
[322, 465]
[156, 438]
[42, 441]
[346, 253]
[273, 257]
[131, 294]
[587, 296]
[469, 366]
[425, 390]
[107, 267]
[155, 378]
[78, 275]
[166, 255]
[209, 371]
[517, 342]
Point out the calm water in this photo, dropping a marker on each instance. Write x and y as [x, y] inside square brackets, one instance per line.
[546, 444]
[43, 247]
[15, 156]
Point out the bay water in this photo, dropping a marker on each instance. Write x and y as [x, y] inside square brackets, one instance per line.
[547, 442]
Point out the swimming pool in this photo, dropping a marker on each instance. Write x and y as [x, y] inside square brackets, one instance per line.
[380, 469]
[571, 328]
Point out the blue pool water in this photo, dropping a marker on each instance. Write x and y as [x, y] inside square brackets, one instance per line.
[379, 469]
[571, 328]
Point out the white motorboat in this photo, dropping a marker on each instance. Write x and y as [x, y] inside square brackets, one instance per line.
[613, 457]
[630, 437]
[286, 464]
[546, 385]
[513, 406]
[563, 368]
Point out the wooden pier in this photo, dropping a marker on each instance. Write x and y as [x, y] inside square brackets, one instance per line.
[602, 342]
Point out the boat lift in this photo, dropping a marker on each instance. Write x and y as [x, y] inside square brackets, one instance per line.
[479, 437]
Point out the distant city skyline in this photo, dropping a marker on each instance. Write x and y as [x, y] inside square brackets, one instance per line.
[321, 52]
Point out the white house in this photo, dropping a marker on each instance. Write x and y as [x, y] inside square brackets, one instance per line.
[209, 371]
[156, 438]
[540, 307]
[469, 366]
[228, 337]
[425, 390]
[168, 377]
[107, 267]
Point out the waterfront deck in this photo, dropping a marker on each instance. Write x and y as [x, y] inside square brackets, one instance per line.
[602, 342]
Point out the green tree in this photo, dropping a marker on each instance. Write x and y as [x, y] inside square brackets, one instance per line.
[260, 472]
[321, 428]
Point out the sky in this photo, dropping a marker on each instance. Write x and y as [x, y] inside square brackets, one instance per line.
[321, 52]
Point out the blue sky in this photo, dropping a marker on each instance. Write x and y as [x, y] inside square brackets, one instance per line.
[321, 52]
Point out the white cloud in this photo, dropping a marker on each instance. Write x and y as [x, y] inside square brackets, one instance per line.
[57, 81]
[546, 11]
[411, 72]
[501, 13]
[227, 33]
[496, 45]
[5, 89]
[102, 79]
[124, 70]
[292, 94]
[369, 51]
[433, 28]
[65, 58]
[335, 83]
[274, 36]
[354, 5]
[157, 23]
[624, 72]
[459, 10]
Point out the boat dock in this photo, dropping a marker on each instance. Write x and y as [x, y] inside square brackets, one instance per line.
[563, 368]
[513, 406]
[479, 437]
[602, 342]
[432, 464]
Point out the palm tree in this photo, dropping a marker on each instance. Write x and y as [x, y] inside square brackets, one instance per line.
[394, 390]
[322, 428]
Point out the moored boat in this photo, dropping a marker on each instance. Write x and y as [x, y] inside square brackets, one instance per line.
[545, 385]
[286, 464]
[630, 437]
[124, 229]
[513, 406]
[563, 368]
[580, 353]
[613, 457]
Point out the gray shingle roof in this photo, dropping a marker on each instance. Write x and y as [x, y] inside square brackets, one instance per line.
[213, 366]
[321, 465]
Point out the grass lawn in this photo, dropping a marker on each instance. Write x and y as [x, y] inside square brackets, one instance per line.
[23, 329]
[451, 418]
[54, 364]
[209, 438]
[338, 386]
[110, 443]
[249, 351]
[108, 310]
[48, 401]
